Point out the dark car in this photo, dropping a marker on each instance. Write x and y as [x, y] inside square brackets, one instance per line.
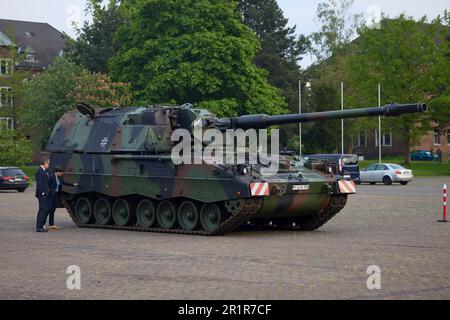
[346, 165]
[12, 178]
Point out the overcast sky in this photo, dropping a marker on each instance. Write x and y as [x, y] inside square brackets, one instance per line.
[60, 13]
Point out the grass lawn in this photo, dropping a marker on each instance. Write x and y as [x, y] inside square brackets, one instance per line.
[419, 168]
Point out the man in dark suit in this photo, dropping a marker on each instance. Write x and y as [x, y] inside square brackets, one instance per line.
[42, 194]
[56, 183]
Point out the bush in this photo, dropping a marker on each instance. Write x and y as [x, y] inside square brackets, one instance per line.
[15, 149]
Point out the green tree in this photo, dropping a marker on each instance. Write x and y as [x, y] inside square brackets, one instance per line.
[408, 58]
[95, 44]
[46, 99]
[15, 149]
[320, 137]
[47, 96]
[281, 50]
[338, 27]
[330, 46]
[194, 51]
[440, 111]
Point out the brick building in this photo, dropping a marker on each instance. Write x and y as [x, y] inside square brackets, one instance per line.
[436, 139]
[36, 45]
[365, 143]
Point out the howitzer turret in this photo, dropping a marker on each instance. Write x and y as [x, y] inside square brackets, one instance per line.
[121, 160]
[262, 121]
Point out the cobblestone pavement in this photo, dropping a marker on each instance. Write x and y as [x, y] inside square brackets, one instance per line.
[393, 227]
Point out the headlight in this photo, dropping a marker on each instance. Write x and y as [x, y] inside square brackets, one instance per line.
[244, 170]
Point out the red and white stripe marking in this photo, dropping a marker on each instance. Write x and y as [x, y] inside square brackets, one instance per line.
[347, 186]
[259, 189]
[444, 207]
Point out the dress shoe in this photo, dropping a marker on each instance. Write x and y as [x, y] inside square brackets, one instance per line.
[41, 230]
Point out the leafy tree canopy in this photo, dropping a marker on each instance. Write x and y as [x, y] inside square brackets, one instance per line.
[194, 51]
[440, 111]
[281, 50]
[94, 45]
[338, 27]
[47, 96]
[408, 58]
[322, 137]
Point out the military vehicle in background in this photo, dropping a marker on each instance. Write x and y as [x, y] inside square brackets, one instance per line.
[121, 159]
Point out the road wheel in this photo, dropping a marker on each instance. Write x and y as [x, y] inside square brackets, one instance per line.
[188, 215]
[145, 213]
[166, 214]
[387, 180]
[121, 212]
[21, 190]
[83, 211]
[211, 217]
[102, 211]
[404, 183]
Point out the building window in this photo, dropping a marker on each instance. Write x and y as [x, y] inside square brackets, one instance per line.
[30, 57]
[359, 140]
[6, 97]
[5, 67]
[436, 137]
[6, 123]
[386, 138]
[448, 137]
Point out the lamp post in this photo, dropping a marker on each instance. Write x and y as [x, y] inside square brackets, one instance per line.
[300, 112]
[342, 120]
[379, 125]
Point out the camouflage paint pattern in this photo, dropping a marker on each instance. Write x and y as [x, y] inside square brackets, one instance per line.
[125, 153]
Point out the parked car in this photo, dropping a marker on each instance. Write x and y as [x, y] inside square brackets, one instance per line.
[422, 155]
[346, 165]
[12, 178]
[386, 173]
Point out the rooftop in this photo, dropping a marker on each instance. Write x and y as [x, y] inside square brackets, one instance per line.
[33, 37]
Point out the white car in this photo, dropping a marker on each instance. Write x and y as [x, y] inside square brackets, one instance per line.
[386, 173]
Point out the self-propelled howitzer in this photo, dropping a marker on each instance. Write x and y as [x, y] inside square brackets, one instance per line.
[121, 160]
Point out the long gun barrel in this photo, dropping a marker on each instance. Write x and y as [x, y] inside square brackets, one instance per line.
[261, 121]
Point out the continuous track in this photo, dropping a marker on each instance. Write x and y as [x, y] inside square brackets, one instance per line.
[249, 209]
